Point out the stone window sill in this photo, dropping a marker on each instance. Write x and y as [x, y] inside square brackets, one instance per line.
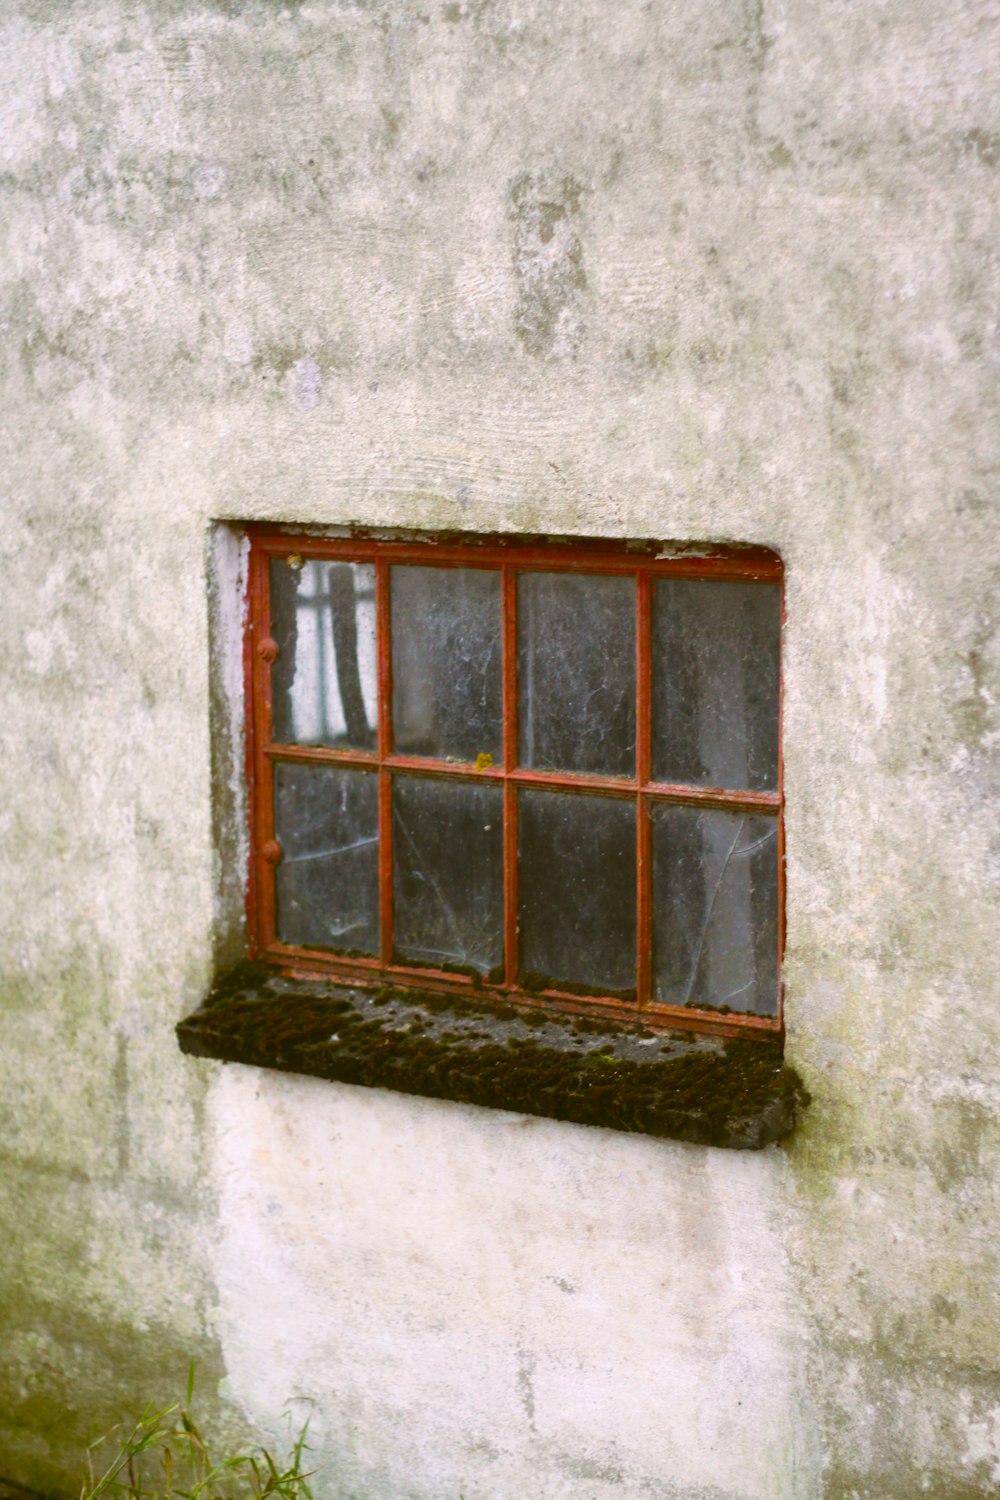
[706, 1090]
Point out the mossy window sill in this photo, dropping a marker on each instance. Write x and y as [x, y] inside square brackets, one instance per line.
[736, 1094]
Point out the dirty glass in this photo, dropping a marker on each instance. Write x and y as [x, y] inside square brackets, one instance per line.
[576, 673]
[324, 680]
[326, 884]
[715, 909]
[446, 662]
[447, 855]
[715, 683]
[577, 890]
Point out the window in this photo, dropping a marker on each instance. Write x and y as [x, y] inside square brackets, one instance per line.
[548, 773]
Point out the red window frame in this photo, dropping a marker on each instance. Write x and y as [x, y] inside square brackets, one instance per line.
[511, 556]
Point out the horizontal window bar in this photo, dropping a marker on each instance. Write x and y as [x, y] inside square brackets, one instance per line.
[568, 781]
[712, 796]
[303, 963]
[425, 766]
[557, 557]
[612, 786]
[324, 755]
[414, 974]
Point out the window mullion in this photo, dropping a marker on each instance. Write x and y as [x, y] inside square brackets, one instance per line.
[643, 763]
[384, 654]
[510, 870]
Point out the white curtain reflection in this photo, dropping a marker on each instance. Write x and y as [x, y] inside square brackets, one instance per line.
[334, 690]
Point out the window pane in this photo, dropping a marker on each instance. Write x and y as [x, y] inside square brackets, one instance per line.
[324, 679]
[326, 821]
[715, 683]
[576, 672]
[577, 890]
[715, 909]
[446, 662]
[447, 842]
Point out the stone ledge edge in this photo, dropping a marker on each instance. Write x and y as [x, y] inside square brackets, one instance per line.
[737, 1094]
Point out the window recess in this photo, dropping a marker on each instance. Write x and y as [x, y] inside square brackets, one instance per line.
[547, 774]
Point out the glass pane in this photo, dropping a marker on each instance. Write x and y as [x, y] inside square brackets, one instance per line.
[446, 663]
[447, 843]
[326, 821]
[715, 909]
[577, 891]
[576, 672]
[715, 683]
[324, 681]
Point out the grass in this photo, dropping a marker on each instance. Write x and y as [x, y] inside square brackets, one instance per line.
[165, 1457]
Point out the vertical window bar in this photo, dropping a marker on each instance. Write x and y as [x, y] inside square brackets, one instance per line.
[263, 777]
[643, 763]
[781, 812]
[384, 650]
[510, 872]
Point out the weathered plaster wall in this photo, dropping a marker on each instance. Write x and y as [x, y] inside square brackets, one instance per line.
[700, 270]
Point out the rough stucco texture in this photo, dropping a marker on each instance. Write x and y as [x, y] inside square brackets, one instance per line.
[690, 271]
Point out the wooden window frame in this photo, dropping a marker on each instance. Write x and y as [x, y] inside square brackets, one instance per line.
[646, 562]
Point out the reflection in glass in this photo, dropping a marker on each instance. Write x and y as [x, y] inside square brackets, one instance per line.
[446, 662]
[577, 890]
[447, 842]
[326, 885]
[576, 672]
[324, 679]
[715, 683]
[715, 909]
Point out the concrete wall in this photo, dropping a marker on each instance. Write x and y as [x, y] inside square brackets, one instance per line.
[683, 270]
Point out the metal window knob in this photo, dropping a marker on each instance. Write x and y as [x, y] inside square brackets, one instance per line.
[267, 649]
[272, 851]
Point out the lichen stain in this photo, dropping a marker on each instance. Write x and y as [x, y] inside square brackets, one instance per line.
[646, 357]
[884, 1448]
[526, 1383]
[944, 1308]
[984, 145]
[975, 710]
[548, 265]
[965, 1130]
[473, 10]
[392, 120]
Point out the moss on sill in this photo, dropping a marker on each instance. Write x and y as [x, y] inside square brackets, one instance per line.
[702, 1089]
